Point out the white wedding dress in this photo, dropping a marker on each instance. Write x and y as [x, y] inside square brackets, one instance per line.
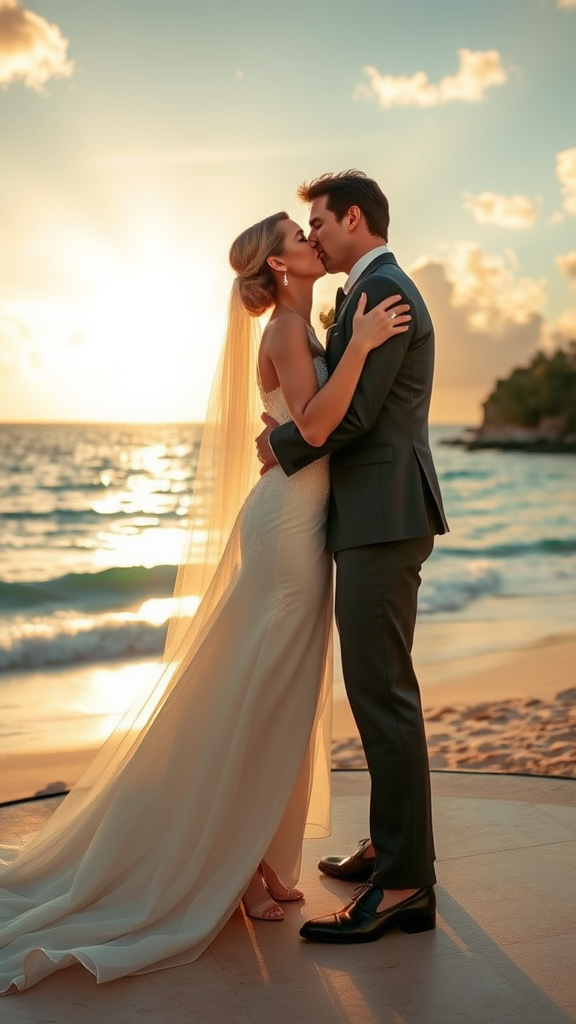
[233, 764]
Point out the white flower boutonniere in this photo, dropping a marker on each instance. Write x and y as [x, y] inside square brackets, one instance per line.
[327, 319]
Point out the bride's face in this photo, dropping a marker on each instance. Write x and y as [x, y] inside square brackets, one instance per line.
[300, 258]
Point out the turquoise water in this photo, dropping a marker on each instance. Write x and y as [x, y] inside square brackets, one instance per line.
[92, 523]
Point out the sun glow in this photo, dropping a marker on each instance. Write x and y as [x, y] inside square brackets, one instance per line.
[144, 334]
[140, 345]
[155, 545]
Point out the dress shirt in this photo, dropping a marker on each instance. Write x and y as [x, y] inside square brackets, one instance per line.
[361, 264]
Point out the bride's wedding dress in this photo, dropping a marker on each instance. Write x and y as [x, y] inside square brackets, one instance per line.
[151, 862]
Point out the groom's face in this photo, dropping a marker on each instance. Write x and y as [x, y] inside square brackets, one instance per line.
[330, 237]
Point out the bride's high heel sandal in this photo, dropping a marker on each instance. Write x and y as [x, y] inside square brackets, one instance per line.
[263, 909]
[268, 910]
[277, 890]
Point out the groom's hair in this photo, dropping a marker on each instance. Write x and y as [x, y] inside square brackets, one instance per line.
[351, 188]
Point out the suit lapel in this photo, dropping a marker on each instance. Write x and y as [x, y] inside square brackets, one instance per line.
[386, 257]
[378, 261]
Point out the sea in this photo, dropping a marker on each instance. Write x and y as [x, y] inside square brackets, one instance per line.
[92, 525]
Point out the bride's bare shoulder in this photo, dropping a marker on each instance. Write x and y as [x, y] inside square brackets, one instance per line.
[284, 333]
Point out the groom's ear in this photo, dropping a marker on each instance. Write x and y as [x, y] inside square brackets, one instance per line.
[354, 216]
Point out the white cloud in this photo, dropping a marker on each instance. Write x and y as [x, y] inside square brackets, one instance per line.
[567, 265]
[31, 48]
[487, 317]
[566, 173]
[478, 70]
[564, 328]
[7, 362]
[16, 343]
[221, 155]
[503, 211]
[488, 287]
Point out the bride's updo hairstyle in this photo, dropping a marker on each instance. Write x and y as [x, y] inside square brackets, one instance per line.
[255, 283]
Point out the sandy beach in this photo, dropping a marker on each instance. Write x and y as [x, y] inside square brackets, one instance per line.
[514, 713]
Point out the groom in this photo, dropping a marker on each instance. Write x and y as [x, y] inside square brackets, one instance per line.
[385, 507]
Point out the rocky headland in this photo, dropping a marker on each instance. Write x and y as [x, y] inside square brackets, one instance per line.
[534, 409]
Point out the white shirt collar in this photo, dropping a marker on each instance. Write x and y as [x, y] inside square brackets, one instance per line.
[361, 264]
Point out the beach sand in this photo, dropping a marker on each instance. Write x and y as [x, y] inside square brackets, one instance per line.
[512, 713]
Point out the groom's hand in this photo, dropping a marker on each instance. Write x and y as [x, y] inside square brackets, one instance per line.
[263, 446]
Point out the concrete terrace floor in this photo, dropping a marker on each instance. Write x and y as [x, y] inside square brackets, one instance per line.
[504, 951]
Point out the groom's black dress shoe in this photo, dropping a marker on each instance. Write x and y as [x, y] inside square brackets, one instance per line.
[360, 920]
[355, 868]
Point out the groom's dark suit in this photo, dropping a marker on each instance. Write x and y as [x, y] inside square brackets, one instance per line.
[385, 507]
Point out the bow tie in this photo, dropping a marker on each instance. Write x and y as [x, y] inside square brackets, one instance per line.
[340, 296]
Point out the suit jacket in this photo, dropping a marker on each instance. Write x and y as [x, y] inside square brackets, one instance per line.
[383, 481]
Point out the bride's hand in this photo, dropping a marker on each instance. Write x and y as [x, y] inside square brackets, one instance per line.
[370, 330]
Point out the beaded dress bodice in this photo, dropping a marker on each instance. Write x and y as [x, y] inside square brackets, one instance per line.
[274, 401]
[312, 482]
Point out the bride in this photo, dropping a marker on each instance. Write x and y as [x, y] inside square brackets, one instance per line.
[203, 793]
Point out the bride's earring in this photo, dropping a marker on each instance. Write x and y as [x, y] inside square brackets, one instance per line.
[285, 279]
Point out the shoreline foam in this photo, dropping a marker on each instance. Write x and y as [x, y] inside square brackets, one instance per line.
[514, 715]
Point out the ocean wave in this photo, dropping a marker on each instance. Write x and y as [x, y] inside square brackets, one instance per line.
[114, 587]
[43, 643]
[90, 515]
[545, 546]
[70, 485]
[464, 474]
[452, 593]
[66, 637]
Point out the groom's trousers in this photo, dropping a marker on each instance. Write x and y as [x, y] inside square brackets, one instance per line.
[376, 601]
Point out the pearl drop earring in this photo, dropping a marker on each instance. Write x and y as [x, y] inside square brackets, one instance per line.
[285, 280]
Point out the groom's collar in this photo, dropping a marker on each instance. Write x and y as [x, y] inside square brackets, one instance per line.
[361, 265]
[373, 259]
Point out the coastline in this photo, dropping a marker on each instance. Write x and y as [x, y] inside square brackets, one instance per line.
[514, 713]
[491, 712]
[475, 439]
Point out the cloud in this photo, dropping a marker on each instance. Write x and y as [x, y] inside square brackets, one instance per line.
[478, 70]
[564, 327]
[216, 155]
[566, 3]
[7, 362]
[15, 343]
[488, 287]
[31, 48]
[567, 265]
[40, 336]
[566, 174]
[487, 318]
[504, 211]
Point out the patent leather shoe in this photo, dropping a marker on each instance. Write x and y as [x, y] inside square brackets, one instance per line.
[360, 920]
[355, 868]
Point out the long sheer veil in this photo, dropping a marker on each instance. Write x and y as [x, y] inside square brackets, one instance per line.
[227, 469]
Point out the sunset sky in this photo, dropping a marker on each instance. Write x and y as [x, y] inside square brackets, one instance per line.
[138, 138]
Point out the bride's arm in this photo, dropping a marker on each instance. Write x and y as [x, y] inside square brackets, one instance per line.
[316, 412]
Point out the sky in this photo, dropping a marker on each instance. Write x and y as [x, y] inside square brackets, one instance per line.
[138, 138]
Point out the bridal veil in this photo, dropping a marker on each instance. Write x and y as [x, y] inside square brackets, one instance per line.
[226, 471]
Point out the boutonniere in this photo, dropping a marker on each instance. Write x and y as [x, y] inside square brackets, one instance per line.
[327, 319]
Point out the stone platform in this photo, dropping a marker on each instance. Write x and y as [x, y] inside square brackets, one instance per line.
[504, 951]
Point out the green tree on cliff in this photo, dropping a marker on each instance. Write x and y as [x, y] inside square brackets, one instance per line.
[545, 388]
